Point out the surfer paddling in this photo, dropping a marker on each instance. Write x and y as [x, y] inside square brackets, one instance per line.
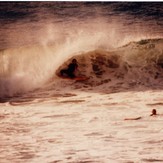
[154, 113]
[70, 71]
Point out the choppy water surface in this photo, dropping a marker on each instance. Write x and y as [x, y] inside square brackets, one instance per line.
[83, 127]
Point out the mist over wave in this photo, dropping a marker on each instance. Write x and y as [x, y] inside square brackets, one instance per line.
[31, 66]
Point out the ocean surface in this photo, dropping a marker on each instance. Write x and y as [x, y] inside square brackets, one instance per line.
[44, 118]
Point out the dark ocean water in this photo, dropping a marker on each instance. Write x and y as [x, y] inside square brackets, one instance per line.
[25, 22]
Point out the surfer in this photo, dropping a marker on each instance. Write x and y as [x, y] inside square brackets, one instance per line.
[70, 71]
[154, 112]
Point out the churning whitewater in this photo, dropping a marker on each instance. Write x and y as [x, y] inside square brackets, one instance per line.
[104, 119]
[34, 67]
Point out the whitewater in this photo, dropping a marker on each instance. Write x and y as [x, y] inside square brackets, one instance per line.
[45, 118]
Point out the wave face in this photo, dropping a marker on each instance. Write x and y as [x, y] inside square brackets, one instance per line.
[140, 62]
[29, 68]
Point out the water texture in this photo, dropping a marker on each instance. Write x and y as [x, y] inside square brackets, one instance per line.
[119, 47]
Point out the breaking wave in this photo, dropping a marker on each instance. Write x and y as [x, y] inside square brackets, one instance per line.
[137, 62]
[27, 68]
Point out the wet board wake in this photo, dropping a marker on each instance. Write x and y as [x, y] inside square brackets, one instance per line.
[79, 78]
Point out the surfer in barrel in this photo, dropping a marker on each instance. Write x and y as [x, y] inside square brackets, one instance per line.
[70, 71]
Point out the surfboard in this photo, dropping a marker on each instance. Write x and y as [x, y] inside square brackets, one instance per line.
[133, 118]
[81, 78]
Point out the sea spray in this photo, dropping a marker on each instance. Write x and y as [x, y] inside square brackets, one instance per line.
[27, 68]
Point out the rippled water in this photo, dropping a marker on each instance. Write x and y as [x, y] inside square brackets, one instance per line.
[83, 127]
